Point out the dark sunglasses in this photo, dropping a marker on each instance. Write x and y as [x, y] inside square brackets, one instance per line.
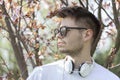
[63, 30]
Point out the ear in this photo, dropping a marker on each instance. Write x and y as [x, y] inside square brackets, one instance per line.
[88, 34]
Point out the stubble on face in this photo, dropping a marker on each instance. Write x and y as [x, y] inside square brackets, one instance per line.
[74, 48]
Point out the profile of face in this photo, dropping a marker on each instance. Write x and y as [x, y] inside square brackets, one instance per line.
[73, 41]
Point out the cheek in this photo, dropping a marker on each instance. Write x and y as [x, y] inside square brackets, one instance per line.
[74, 42]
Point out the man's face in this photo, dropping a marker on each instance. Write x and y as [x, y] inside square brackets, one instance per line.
[72, 42]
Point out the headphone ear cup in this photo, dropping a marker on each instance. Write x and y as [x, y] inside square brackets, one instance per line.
[85, 69]
[69, 66]
[79, 70]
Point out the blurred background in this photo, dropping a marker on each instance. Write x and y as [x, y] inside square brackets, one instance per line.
[27, 34]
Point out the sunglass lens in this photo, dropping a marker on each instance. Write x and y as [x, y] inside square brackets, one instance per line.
[63, 31]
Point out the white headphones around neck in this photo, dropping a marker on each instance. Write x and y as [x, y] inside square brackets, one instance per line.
[84, 69]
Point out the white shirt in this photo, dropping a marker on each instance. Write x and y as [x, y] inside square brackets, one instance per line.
[55, 71]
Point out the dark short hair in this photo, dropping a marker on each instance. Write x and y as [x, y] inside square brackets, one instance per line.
[81, 14]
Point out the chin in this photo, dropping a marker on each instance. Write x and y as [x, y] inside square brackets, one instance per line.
[64, 51]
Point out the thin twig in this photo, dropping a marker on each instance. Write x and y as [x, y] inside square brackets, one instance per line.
[81, 3]
[3, 28]
[110, 58]
[20, 15]
[65, 3]
[105, 11]
[5, 64]
[26, 48]
[114, 66]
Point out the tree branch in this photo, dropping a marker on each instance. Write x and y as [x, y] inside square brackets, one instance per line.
[81, 3]
[5, 64]
[20, 16]
[3, 28]
[19, 56]
[87, 4]
[105, 11]
[27, 50]
[117, 44]
[99, 35]
[118, 65]
[65, 3]
[117, 24]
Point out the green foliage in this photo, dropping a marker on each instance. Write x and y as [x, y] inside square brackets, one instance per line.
[8, 64]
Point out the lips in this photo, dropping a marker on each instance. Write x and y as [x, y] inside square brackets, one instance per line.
[60, 44]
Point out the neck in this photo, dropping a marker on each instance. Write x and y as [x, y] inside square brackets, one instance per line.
[82, 57]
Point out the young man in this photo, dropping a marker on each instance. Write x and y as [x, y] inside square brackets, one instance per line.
[76, 34]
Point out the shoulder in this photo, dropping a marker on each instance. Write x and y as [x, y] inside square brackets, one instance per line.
[104, 73]
[53, 67]
[39, 71]
[35, 74]
[56, 63]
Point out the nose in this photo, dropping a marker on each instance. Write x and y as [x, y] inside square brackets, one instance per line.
[58, 36]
